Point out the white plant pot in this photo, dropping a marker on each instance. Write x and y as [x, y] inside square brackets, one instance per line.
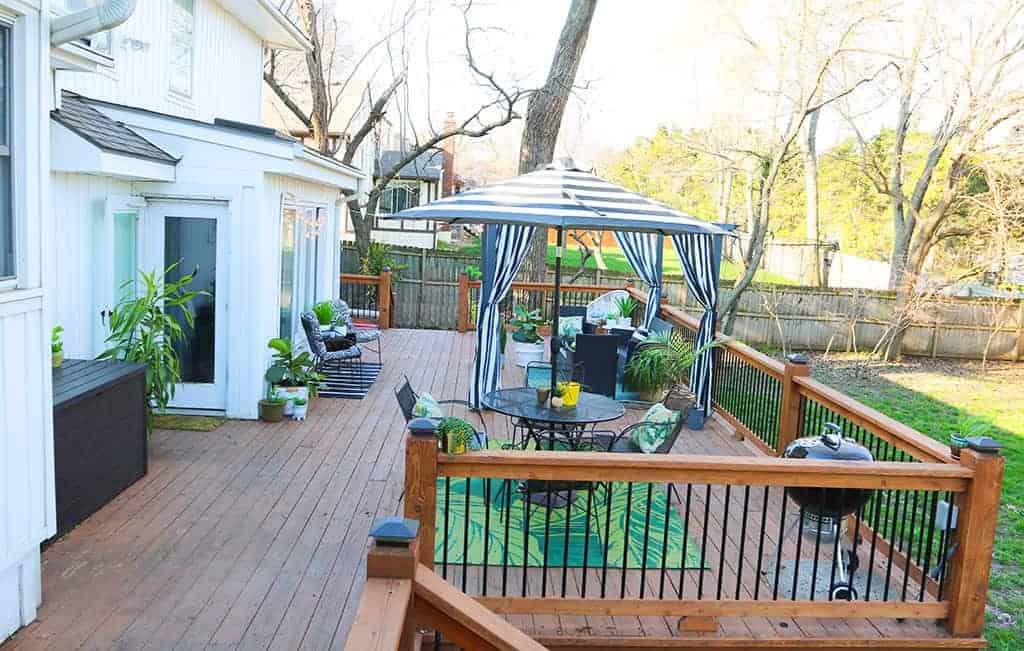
[526, 353]
[288, 394]
[625, 322]
[299, 411]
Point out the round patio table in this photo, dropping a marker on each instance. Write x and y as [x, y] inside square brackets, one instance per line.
[522, 403]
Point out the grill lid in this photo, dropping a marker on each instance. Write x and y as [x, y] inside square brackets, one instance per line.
[830, 445]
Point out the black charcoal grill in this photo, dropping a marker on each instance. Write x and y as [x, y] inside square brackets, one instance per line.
[826, 509]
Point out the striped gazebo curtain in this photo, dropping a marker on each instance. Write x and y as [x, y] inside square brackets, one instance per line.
[696, 253]
[511, 244]
[644, 253]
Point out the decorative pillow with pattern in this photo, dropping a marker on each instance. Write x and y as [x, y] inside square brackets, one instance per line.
[658, 422]
[570, 326]
[427, 407]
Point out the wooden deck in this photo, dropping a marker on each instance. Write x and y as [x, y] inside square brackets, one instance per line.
[254, 535]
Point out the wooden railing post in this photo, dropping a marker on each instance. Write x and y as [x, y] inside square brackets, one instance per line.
[462, 308]
[790, 415]
[975, 536]
[421, 483]
[384, 299]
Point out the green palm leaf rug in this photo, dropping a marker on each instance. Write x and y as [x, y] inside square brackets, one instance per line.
[496, 528]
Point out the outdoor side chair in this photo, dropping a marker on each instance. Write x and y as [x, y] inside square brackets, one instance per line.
[369, 338]
[407, 398]
[599, 356]
[325, 359]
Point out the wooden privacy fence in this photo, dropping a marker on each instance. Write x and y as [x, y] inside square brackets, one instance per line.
[730, 513]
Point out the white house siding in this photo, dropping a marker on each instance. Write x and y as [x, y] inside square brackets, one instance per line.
[78, 207]
[26, 429]
[228, 70]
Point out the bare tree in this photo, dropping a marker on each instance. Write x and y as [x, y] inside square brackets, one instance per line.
[545, 111]
[308, 92]
[809, 154]
[812, 46]
[969, 69]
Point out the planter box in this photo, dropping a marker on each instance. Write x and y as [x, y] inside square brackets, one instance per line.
[99, 435]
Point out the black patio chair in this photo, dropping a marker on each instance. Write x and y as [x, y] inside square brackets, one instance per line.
[407, 398]
[324, 359]
[369, 338]
[599, 356]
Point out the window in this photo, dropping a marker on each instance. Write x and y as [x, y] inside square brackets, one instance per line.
[399, 196]
[182, 46]
[7, 269]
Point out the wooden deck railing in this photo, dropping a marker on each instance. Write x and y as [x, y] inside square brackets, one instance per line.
[702, 537]
[369, 297]
[772, 403]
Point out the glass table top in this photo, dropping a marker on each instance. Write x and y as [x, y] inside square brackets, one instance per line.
[522, 403]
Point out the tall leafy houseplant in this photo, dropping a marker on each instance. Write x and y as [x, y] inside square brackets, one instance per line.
[663, 362]
[145, 329]
[529, 344]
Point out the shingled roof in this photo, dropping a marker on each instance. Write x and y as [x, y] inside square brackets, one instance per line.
[427, 166]
[105, 133]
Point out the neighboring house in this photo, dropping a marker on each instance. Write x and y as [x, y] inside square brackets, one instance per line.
[158, 157]
[133, 149]
[418, 182]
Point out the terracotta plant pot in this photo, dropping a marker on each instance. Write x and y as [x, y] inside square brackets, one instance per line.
[271, 412]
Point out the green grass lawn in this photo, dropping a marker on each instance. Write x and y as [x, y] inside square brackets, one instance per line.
[616, 263]
[931, 396]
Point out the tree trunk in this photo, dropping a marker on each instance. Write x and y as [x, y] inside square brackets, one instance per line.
[362, 225]
[318, 115]
[544, 114]
[808, 150]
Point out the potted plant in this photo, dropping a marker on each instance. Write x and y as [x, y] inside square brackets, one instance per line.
[662, 363]
[271, 408]
[529, 344]
[324, 312]
[57, 346]
[455, 434]
[626, 306]
[299, 406]
[967, 427]
[290, 375]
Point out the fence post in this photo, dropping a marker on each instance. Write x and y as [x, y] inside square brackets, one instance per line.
[384, 299]
[421, 483]
[462, 308]
[975, 534]
[790, 415]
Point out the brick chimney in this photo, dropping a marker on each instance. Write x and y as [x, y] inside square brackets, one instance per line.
[448, 177]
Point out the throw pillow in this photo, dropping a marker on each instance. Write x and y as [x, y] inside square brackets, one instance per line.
[427, 407]
[570, 326]
[658, 422]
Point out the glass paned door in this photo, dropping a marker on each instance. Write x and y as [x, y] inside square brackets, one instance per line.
[117, 243]
[126, 255]
[193, 236]
[191, 242]
[299, 243]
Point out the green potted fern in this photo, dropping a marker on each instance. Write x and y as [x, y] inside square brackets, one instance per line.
[662, 363]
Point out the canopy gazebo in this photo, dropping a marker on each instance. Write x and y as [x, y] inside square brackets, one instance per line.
[565, 198]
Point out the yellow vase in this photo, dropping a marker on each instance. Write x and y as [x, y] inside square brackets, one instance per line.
[570, 393]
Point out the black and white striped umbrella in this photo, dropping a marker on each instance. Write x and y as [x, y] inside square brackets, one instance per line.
[559, 198]
[566, 199]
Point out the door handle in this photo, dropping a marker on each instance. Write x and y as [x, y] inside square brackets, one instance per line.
[103, 316]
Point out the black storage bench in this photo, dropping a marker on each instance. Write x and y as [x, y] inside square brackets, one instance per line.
[99, 434]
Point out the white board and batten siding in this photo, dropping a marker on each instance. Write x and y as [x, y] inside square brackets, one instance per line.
[231, 89]
[27, 513]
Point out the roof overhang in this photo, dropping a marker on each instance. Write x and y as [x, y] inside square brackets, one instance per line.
[70, 152]
[264, 19]
[78, 57]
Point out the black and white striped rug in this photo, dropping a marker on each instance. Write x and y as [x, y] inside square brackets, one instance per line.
[352, 381]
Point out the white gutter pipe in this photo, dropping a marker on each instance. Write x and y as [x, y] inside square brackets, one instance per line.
[107, 15]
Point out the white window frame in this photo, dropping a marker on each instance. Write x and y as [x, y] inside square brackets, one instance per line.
[14, 116]
[177, 92]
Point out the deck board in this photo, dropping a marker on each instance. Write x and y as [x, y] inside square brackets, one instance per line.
[254, 535]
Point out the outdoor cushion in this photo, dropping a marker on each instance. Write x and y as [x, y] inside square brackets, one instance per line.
[427, 407]
[569, 327]
[657, 424]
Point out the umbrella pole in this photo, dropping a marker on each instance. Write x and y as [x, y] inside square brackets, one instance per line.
[556, 306]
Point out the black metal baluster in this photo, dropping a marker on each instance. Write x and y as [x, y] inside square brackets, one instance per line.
[686, 540]
[892, 546]
[799, 544]
[874, 541]
[444, 551]
[647, 537]
[910, 546]
[817, 553]
[607, 530]
[565, 548]
[725, 538]
[586, 538]
[547, 540]
[664, 540]
[778, 551]
[526, 539]
[625, 539]
[504, 556]
[487, 529]
[760, 545]
[704, 543]
[932, 513]
[743, 539]
[944, 551]
[465, 535]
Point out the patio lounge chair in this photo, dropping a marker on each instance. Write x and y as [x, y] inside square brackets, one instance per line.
[326, 360]
[369, 338]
